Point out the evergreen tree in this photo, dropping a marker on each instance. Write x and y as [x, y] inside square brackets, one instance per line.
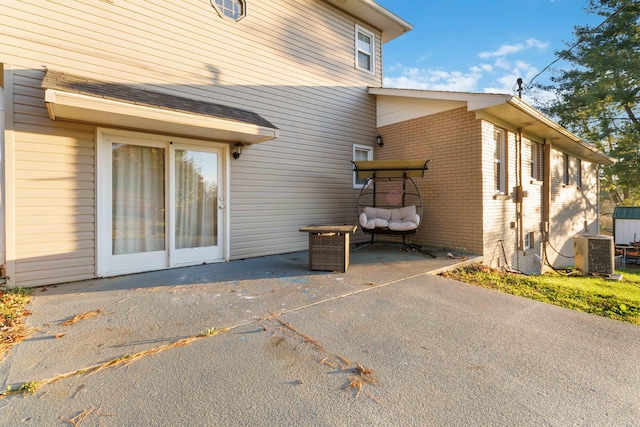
[598, 97]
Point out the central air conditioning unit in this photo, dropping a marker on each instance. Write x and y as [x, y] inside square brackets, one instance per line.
[595, 254]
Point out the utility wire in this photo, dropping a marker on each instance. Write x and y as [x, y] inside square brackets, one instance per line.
[583, 38]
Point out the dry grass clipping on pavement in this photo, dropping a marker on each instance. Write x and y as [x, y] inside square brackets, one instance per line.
[82, 316]
[75, 421]
[33, 386]
[363, 376]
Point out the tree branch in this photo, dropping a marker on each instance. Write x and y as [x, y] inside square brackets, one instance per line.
[630, 113]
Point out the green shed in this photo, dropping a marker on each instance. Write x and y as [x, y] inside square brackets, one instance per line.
[626, 225]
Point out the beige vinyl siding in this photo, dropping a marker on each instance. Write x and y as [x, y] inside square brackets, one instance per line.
[291, 61]
[55, 188]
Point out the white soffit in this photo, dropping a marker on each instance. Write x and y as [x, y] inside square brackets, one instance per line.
[91, 109]
[398, 105]
[369, 11]
[535, 125]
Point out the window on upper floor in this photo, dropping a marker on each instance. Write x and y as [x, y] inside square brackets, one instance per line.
[536, 162]
[500, 163]
[361, 152]
[234, 9]
[365, 48]
[565, 169]
[579, 173]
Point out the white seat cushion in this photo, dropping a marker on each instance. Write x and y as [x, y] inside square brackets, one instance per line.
[398, 219]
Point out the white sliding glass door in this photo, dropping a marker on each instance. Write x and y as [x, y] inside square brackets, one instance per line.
[196, 204]
[160, 203]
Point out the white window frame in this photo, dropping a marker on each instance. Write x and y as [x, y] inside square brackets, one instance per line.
[222, 10]
[579, 173]
[369, 150]
[372, 54]
[528, 241]
[500, 159]
[536, 165]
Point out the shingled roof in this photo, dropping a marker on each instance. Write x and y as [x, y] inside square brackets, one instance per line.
[57, 80]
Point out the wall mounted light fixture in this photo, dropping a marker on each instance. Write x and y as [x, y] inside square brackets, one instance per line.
[238, 150]
[379, 140]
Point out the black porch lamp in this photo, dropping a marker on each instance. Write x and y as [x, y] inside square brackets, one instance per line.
[379, 140]
[238, 150]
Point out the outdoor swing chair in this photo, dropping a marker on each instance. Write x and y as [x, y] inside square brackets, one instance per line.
[389, 202]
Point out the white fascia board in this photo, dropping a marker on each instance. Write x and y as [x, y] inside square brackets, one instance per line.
[398, 105]
[566, 140]
[389, 24]
[475, 101]
[91, 109]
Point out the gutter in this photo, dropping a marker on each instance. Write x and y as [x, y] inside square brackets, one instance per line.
[538, 116]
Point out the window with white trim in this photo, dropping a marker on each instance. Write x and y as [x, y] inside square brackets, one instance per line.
[536, 161]
[579, 173]
[361, 152]
[234, 9]
[500, 163]
[365, 48]
[528, 241]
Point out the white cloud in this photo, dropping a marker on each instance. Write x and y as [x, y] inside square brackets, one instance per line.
[420, 78]
[502, 63]
[509, 49]
[498, 75]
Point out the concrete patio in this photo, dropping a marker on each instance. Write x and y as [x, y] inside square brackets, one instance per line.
[440, 352]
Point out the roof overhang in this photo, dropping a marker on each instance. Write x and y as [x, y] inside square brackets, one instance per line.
[389, 24]
[534, 123]
[396, 105]
[92, 109]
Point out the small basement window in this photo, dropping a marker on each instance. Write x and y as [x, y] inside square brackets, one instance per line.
[234, 9]
[528, 241]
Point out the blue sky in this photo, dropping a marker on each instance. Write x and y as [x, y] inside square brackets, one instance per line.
[479, 45]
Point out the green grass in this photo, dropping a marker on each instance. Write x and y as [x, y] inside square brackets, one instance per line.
[618, 300]
[12, 310]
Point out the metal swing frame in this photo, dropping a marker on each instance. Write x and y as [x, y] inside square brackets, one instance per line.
[390, 185]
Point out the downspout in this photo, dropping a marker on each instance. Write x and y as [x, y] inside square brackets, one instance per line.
[7, 179]
[3, 254]
[519, 197]
[519, 188]
[598, 206]
[546, 201]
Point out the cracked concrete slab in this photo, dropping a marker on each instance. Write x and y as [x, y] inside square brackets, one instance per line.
[442, 352]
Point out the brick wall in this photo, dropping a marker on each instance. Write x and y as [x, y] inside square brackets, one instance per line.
[574, 210]
[452, 187]
[461, 208]
[503, 230]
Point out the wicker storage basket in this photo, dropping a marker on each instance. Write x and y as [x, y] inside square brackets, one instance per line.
[329, 251]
